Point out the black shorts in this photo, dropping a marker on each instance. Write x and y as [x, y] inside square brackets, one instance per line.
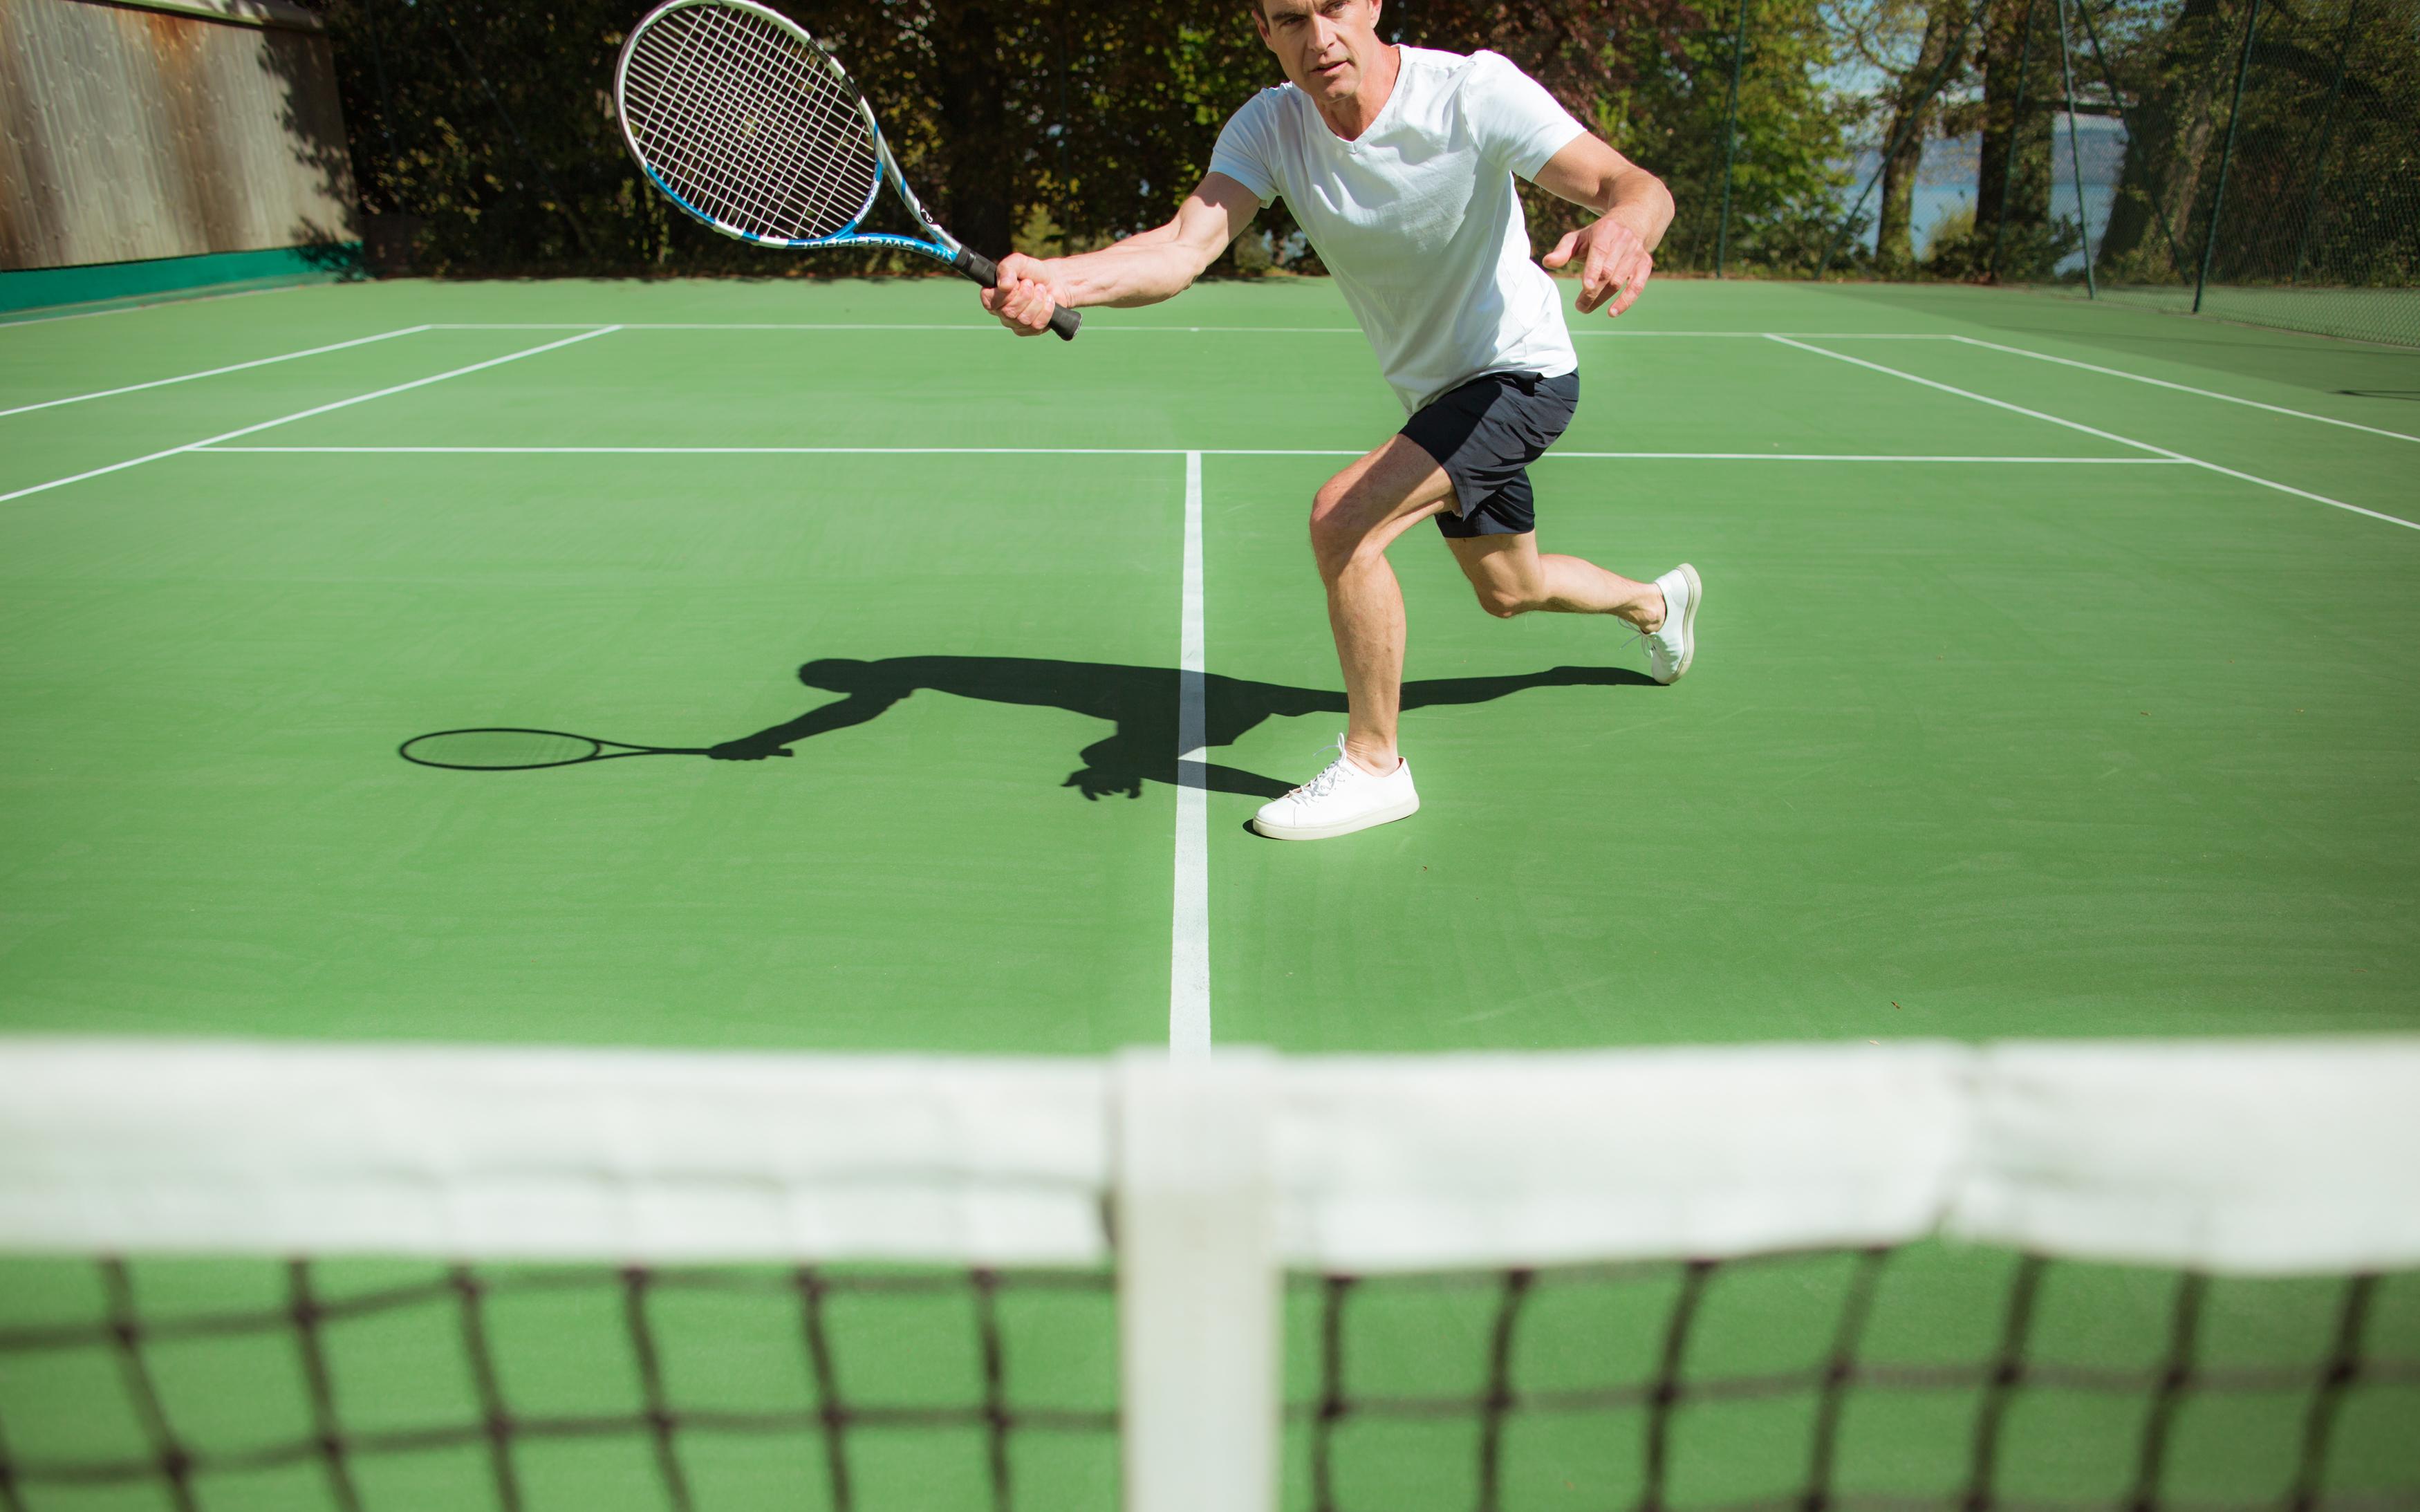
[1486, 434]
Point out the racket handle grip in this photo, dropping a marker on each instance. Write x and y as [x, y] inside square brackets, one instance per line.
[986, 272]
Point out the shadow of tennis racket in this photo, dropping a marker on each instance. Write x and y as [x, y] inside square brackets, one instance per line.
[522, 750]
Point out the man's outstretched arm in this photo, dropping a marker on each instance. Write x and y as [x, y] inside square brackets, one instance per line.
[855, 709]
[1145, 269]
[1634, 210]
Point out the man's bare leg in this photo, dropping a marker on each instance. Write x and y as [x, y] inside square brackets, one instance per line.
[1512, 577]
[1355, 516]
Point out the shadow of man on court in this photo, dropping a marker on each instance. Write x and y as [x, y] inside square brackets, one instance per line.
[1139, 703]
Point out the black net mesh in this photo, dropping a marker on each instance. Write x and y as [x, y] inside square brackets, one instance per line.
[353, 1384]
[1929, 1377]
[1926, 1377]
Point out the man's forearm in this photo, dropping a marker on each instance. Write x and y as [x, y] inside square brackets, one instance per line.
[1141, 270]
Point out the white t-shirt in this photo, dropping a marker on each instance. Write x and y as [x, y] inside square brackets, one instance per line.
[1417, 220]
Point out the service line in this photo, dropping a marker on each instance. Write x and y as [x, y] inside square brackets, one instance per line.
[209, 442]
[214, 372]
[1159, 451]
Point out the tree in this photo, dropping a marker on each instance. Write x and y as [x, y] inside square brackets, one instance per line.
[2016, 236]
[1788, 167]
[2175, 69]
[1940, 59]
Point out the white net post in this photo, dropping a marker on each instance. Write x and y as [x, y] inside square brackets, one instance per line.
[1198, 1282]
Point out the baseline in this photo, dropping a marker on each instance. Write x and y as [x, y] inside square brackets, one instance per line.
[2186, 388]
[2106, 436]
[214, 372]
[300, 414]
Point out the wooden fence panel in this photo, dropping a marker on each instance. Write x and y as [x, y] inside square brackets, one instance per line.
[131, 132]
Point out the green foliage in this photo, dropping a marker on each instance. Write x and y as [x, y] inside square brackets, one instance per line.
[1788, 169]
[487, 129]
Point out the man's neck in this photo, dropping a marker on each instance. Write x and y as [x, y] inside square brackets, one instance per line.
[1351, 117]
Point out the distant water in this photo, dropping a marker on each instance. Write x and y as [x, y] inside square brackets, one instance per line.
[1945, 182]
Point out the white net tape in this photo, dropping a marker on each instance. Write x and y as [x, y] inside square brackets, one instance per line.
[2261, 1157]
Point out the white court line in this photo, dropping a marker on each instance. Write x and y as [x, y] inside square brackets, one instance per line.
[1188, 939]
[1132, 330]
[2106, 436]
[1160, 451]
[969, 324]
[141, 303]
[2186, 388]
[1861, 456]
[300, 414]
[232, 367]
[1760, 336]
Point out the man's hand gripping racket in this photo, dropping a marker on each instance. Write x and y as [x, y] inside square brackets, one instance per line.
[1023, 298]
[746, 122]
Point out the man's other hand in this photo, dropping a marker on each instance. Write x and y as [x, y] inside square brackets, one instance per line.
[1615, 264]
[1023, 298]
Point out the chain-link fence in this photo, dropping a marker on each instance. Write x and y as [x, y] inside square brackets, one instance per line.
[2270, 167]
[2256, 159]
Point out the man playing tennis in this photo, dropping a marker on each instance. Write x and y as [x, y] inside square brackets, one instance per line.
[1398, 163]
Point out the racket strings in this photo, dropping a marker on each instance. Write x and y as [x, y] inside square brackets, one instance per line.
[698, 130]
[748, 125]
[684, 106]
[709, 180]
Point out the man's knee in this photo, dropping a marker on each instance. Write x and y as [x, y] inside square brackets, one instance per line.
[1504, 601]
[1337, 534]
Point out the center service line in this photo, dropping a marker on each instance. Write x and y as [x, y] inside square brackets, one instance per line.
[1188, 938]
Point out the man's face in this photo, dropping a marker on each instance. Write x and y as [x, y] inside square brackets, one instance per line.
[1324, 45]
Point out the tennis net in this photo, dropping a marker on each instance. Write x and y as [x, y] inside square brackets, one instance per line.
[1877, 1277]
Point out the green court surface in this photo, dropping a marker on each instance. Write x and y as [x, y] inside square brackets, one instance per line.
[2056, 677]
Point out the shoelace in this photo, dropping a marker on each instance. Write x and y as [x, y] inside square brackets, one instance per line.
[1333, 773]
[1648, 637]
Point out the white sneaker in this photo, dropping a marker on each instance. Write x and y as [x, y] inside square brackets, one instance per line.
[1338, 801]
[1672, 646]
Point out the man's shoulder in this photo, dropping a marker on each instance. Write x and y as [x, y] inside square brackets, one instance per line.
[1278, 103]
[1458, 82]
[1450, 67]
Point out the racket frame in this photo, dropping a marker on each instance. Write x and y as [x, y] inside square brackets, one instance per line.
[943, 247]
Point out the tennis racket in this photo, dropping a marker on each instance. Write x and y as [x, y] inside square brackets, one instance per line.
[744, 120]
[522, 750]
